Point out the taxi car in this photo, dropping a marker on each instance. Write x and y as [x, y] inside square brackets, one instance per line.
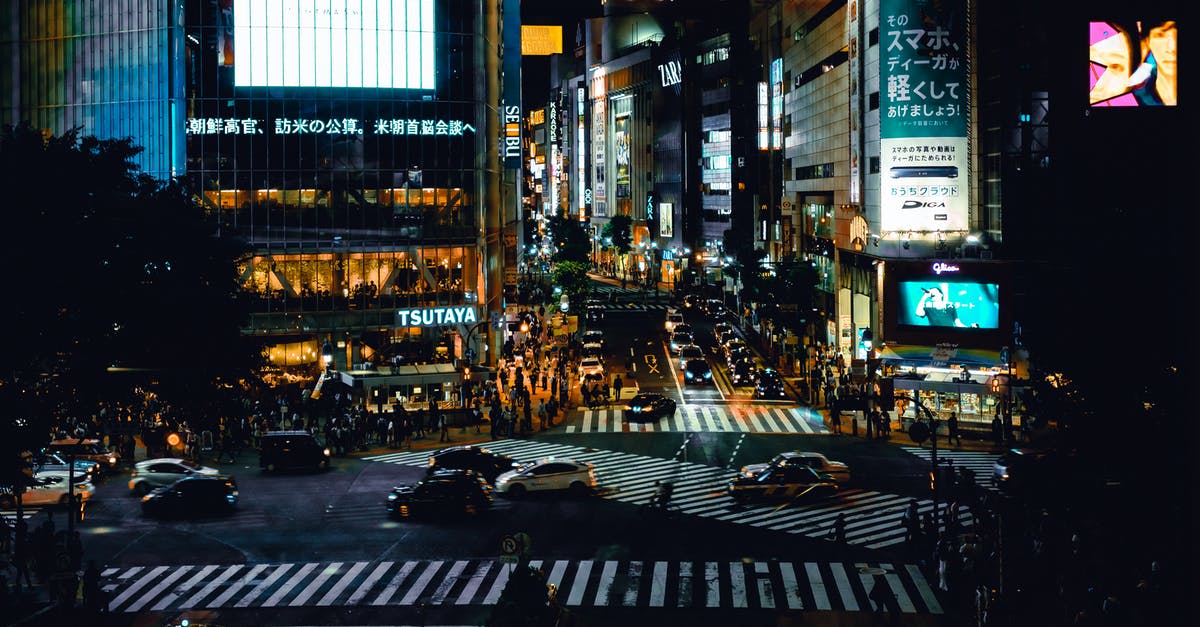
[649, 406]
[817, 461]
[163, 471]
[590, 365]
[548, 474]
[487, 463]
[92, 450]
[679, 339]
[47, 488]
[688, 353]
[775, 483]
[442, 491]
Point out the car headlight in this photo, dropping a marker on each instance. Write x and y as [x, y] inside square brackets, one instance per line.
[327, 453]
[708, 375]
[112, 460]
[637, 409]
[688, 374]
[391, 497]
[146, 499]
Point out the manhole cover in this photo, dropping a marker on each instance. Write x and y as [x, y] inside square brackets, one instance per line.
[871, 570]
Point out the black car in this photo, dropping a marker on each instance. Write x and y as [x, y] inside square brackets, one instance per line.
[593, 337]
[787, 482]
[192, 497]
[291, 449]
[714, 307]
[769, 385]
[487, 463]
[697, 371]
[649, 406]
[743, 372]
[740, 353]
[595, 313]
[442, 492]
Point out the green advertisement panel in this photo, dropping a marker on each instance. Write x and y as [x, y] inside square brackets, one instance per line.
[923, 117]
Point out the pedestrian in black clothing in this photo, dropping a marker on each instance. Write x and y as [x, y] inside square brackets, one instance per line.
[444, 425]
[838, 532]
[880, 595]
[952, 425]
[997, 430]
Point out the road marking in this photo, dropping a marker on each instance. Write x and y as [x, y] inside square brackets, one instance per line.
[712, 581]
[606, 581]
[365, 586]
[817, 584]
[766, 591]
[473, 584]
[685, 584]
[843, 586]
[493, 595]
[791, 589]
[342, 583]
[580, 584]
[262, 587]
[893, 580]
[556, 573]
[418, 587]
[927, 595]
[633, 582]
[658, 585]
[157, 590]
[394, 584]
[737, 584]
[138, 585]
[212, 585]
[237, 585]
[448, 582]
[283, 590]
[174, 596]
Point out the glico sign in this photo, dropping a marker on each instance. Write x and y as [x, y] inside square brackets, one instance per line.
[436, 316]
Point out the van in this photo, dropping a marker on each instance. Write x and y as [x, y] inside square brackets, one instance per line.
[291, 449]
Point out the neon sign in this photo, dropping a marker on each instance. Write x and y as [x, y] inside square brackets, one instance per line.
[940, 267]
[436, 316]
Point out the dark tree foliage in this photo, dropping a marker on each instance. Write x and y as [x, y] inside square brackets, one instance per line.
[113, 269]
[620, 229]
[571, 242]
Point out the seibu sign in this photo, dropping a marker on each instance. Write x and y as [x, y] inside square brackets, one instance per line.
[436, 316]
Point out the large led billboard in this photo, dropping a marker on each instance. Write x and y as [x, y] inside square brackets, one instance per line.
[385, 44]
[1133, 63]
[961, 304]
[924, 81]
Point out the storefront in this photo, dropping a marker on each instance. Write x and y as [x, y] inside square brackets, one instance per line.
[972, 383]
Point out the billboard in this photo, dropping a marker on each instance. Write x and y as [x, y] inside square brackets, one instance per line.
[961, 304]
[621, 154]
[924, 78]
[1133, 63]
[334, 43]
[541, 40]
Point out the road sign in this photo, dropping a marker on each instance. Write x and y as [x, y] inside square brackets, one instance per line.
[918, 432]
[509, 559]
[509, 545]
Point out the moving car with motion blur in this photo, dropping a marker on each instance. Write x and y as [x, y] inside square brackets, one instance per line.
[789, 482]
[487, 463]
[548, 474]
[47, 461]
[91, 450]
[192, 497]
[45, 489]
[839, 471]
[163, 471]
[292, 449]
[697, 372]
[674, 317]
[769, 385]
[443, 491]
[649, 406]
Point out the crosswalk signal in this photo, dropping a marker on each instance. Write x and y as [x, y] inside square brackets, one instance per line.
[995, 385]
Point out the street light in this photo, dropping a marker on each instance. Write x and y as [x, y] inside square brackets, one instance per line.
[327, 354]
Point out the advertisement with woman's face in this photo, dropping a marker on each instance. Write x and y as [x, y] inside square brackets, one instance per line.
[966, 305]
[1132, 64]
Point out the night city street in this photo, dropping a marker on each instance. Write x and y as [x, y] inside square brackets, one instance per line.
[599, 313]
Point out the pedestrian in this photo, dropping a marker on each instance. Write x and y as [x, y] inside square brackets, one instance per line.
[542, 415]
[443, 424]
[835, 418]
[880, 596]
[837, 533]
[997, 430]
[494, 414]
[527, 419]
[93, 594]
[952, 426]
[912, 522]
[617, 385]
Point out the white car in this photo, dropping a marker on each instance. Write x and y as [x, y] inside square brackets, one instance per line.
[590, 365]
[548, 474]
[673, 318]
[837, 470]
[164, 471]
[47, 488]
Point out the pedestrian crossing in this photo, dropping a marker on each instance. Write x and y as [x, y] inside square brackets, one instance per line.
[741, 584]
[872, 518]
[980, 462]
[694, 418]
[625, 306]
[11, 514]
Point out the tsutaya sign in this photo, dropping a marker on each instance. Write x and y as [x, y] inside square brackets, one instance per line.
[436, 316]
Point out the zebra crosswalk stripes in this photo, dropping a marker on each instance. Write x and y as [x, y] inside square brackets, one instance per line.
[980, 462]
[742, 584]
[11, 514]
[873, 519]
[697, 418]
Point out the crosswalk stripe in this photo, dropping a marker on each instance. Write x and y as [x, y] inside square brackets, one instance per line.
[421, 583]
[817, 585]
[132, 571]
[606, 580]
[195, 599]
[694, 417]
[138, 585]
[315, 585]
[742, 584]
[448, 582]
[342, 584]
[581, 578]
[283, 590]
[493, 595]
[275, 575]
[843, 587]
[365, 587]
[390, 590]
[791, 589]
[236, 586]
[166, 601]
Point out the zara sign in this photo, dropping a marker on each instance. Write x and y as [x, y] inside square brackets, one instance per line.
[670, 73]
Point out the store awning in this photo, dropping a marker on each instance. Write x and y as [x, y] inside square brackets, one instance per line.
[421, 374]
[920, 355]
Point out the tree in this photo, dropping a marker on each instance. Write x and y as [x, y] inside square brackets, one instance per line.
[572, 277]
[619, 229]
[571, 242]
[123, 270]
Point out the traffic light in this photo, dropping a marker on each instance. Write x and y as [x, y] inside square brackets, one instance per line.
[995, 384]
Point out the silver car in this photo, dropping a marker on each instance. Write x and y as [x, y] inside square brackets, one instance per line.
[164, 471]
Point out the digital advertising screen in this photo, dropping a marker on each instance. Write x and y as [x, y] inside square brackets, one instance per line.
[387, 44]
[1133, 63]
[933, 303]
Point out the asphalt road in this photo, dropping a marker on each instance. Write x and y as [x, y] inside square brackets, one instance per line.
[710, 565]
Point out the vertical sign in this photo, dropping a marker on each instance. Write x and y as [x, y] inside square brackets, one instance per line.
[599, 130]
[581, 155]
[923, 116]
[621, 154]
[510, 122]
[666, 219]
[852, 24]
[552, 163]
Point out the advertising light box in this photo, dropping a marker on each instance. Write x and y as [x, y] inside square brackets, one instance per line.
[966, 305]
[385, 44]
[947, 301]
[1133, 63]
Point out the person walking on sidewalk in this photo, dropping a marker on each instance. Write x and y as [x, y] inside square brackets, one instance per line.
[542, 415]
[952, 426]
[617, 385]
[997, 430]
